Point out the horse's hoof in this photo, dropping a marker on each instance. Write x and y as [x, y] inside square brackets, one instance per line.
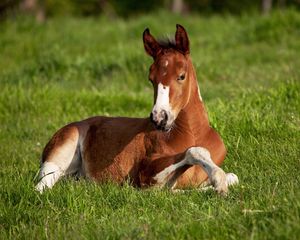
[219, 181]
[232, 179]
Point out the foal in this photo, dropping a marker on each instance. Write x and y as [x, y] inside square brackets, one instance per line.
[174, 148]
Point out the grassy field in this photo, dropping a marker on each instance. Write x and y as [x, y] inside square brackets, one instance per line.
[68, 69]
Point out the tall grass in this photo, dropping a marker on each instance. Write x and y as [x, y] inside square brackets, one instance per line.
[65, 70]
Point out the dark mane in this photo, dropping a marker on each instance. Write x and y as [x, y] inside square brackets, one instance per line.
[167, 43]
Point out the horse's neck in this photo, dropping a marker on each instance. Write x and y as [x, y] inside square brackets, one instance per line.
[193, 118]
[192, 122]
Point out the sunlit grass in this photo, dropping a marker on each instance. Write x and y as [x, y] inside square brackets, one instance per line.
[69, 69]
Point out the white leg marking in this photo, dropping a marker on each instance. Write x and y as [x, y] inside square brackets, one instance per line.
[232, 179]
[48, 176]
[201, 156]
[162, 176]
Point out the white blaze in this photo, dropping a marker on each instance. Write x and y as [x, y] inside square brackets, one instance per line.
[162, 99]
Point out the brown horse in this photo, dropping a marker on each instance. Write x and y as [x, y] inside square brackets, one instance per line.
[175, 147]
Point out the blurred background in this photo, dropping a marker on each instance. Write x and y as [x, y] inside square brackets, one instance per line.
[66, 60]
[84, 44]
[43, 9]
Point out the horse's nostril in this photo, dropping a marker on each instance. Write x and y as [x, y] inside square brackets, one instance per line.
[163, 123]
[164, 115]
[159, 119]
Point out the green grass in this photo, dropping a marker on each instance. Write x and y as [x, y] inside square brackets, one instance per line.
[69, 69]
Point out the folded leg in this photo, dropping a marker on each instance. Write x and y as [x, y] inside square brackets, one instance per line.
[164, 172]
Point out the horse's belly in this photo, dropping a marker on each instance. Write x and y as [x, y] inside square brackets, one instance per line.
[112, 153]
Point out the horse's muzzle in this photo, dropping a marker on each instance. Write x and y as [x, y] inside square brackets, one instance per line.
[159, 119]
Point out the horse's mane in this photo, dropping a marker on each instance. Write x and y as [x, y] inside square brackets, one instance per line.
[167, 43]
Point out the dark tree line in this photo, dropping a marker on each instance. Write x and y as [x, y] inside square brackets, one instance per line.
[125, 8]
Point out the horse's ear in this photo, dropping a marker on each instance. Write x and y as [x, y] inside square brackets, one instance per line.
[182, 40]
[151, 46]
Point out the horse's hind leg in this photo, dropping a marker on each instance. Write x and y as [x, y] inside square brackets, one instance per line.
[61, 157]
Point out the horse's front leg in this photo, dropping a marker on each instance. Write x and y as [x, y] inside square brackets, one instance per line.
[216, 176]
[163, 172]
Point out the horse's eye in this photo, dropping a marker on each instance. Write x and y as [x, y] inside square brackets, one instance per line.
[181, 77]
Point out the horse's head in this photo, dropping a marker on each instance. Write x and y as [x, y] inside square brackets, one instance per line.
[169, 75]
